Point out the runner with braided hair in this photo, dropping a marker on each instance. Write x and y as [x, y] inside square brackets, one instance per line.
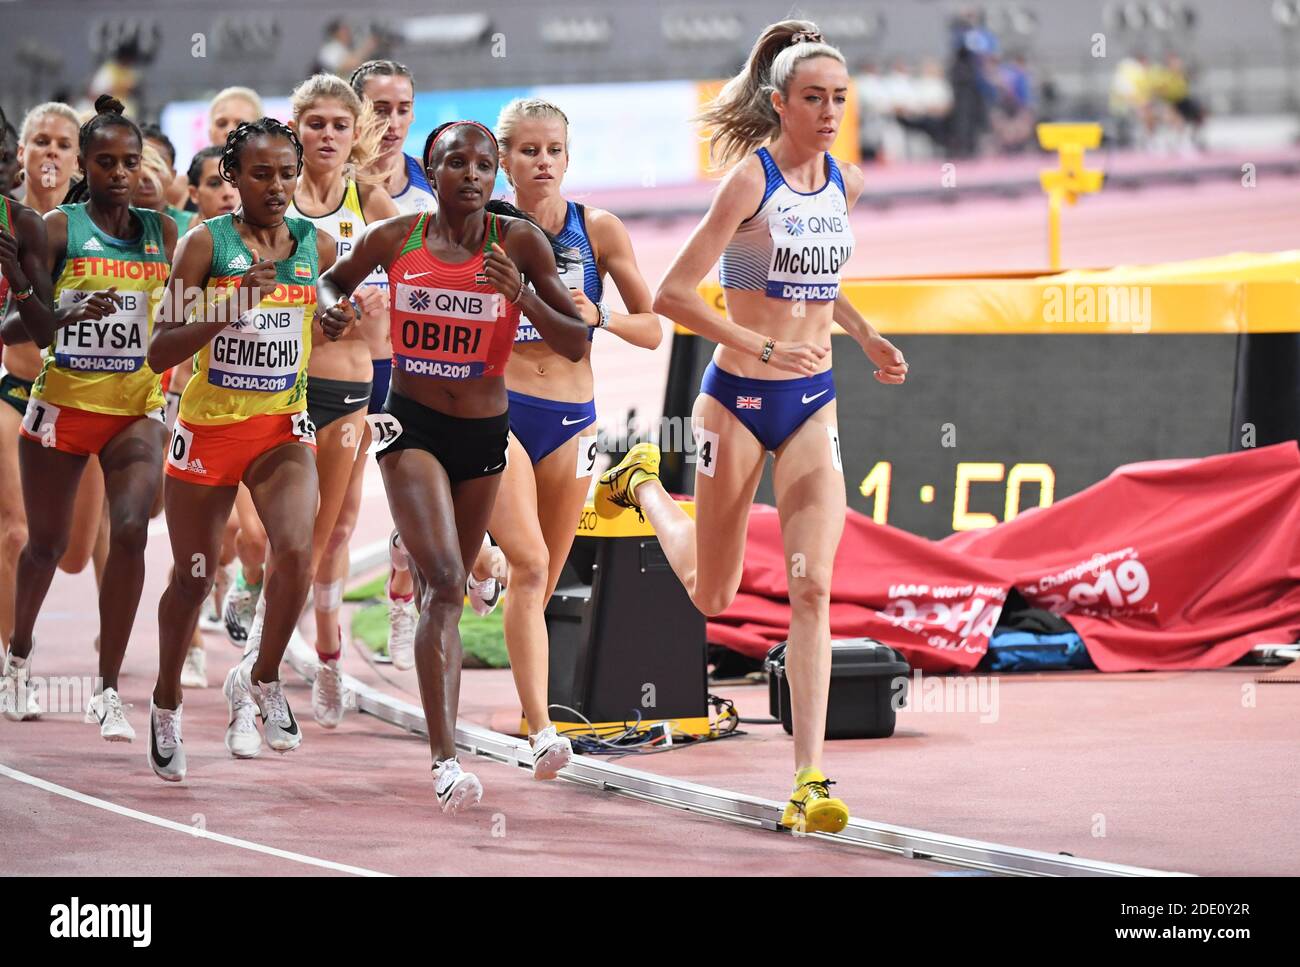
[96, 393]
[243, 418]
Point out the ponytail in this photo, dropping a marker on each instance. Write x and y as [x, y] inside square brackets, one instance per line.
[742, 116]
[564, 256]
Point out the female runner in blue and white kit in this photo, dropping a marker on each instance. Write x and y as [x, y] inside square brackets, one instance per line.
[780, 225]
[390, 90]
[552, 449]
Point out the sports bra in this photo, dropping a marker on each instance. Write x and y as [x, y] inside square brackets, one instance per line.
[417, 196]
[446, 321]
[583, 275]
[256, 365]
[344, 224]
[794, 246]
[99, 364]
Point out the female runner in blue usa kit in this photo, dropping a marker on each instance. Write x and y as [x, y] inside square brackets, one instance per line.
[780, 225]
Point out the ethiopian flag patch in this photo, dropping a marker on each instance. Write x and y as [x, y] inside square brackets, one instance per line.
[301, 271]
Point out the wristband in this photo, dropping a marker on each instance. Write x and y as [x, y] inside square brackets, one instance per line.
[519, 294]
[767, 350]
[356, 307]
[22, 295]
[603, 311]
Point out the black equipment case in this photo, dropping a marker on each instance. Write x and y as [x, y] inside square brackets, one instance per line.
[868, 685]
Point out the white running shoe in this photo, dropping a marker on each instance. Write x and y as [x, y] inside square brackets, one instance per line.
[113, 724]
[402, 619]
[253, 644]
[282, 732]
[17, 697]
[166, 750]
[241, 607]
[483, 595]
[327, 695]
[194, 673]
[242, 738]
[551, 753]
[456, 789]
[210, 618]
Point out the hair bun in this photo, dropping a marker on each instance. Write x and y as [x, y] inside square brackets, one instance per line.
[108, 104]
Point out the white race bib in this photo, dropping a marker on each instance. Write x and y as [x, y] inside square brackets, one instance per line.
[261, 351]
[115, 344]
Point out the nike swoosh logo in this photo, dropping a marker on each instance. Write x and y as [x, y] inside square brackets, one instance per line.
[568, 422]
[490, 469]
[407, 276]
[359, 399]
[809, 399]
[153, 748]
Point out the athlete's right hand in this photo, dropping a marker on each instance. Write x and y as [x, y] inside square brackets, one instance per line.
[337, 319]
[804, 358]
[97, 305]
[260, 275]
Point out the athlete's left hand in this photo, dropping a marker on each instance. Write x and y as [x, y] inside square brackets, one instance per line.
[502, 274]
[891, 367]
[337, 319]
[586, 308]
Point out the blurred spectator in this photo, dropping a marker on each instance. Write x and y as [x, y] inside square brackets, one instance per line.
[925, 106]
[1178, 115]
[873, 108]
[1011, 115]
[1130, 100]
[338, 54]
[119, 76]
[970, 116]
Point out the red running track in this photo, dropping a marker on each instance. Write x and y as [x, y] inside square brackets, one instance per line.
[1174, 769]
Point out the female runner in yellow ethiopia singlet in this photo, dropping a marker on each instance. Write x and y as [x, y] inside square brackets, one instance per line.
[243, 419]
[96, 393]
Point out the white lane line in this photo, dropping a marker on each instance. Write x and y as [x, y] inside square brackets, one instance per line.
[181, 827]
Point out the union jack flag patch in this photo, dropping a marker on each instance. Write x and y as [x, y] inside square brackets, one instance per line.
[749, 402]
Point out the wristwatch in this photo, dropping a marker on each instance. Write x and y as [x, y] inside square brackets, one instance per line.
[603, 321]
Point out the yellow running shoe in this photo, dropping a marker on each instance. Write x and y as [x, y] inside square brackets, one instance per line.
[812, 808]
[616, 488]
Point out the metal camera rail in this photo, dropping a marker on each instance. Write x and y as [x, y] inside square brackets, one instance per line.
[708, 800]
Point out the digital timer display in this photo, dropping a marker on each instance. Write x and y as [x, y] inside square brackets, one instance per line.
[989, 426]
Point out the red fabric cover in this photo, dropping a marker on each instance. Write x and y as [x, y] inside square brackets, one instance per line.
[1171, 564]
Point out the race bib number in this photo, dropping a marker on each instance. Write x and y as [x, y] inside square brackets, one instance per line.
[178, 452]
[159, 415]
[260, 352]
[836, 461]
[40, 418]
[384, 429]
[443, 333]
[810, 244]
[586, 455]
[706, 451]
[114, 344]
[303, 428]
